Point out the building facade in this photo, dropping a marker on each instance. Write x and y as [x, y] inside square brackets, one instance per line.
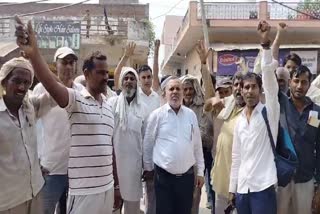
[232, 34]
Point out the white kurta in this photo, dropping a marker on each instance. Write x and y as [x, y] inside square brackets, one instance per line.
[128, 150]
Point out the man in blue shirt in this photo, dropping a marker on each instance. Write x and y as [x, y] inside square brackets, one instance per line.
[301, 117]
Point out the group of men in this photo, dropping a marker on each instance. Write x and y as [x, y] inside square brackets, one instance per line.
[98, 149]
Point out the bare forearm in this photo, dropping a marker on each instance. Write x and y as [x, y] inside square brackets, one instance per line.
[208, 85]
[276, 46]
[117, 71]
[155, 80]
[49, 81]
[115, 172]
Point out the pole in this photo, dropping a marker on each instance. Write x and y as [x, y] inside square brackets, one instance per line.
[206, 35]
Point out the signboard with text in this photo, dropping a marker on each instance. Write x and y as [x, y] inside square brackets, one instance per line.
[56, 34]
[227, 60]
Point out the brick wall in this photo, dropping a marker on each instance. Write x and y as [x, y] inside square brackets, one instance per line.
[138, 11]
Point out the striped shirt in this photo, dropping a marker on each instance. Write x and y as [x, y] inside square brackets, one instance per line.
[90, 162]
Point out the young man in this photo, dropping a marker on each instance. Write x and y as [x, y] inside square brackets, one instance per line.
[253, 171]
[54, 155]
[90, 170]
[129, 113]
[303, 123]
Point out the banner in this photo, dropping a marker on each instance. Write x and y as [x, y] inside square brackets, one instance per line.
[309, 59]
[227, 61]
[56, 34]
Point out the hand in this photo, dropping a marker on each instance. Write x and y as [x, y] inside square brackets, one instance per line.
[232, 199]
[157, 45]
[217, 103]
[117, 199]
[264, 31]
[44, 171]
[129, 50]
[240, 61]
[26, 38]
[200, 182]
[147, 175]
[282, 27]
[202, 52]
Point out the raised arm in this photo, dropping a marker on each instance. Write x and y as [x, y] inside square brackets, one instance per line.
[27, 42]
[155, 79]
[276, 43]
[241, 62]
[128, 52]
[269, 80]
[206, 77]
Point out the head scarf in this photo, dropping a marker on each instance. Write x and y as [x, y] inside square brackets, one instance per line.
[121, 107]
[198, 97]
[10, 66]
[6, 69]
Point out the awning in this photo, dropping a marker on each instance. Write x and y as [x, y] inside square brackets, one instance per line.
[229, 47]
[7, 47]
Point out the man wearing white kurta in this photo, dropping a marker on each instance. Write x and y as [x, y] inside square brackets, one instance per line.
[129, 113]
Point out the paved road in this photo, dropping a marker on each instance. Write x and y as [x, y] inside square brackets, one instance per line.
[203, 209]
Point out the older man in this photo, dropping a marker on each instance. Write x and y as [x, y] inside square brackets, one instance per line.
[172, 146]
[21, 178]
[54, 155]
[129, 113]
[194, 99]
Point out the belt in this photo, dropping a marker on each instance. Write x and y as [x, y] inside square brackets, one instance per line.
[163, 171]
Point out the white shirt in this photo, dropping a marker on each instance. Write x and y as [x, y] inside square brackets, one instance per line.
[90, 160]
[56, 138]
[253, 167]
[173, 141]
[128, 148]
[20, 175]
[152, 101]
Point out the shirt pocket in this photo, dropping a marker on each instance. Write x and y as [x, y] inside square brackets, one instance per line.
[135, 123]
[187, 130]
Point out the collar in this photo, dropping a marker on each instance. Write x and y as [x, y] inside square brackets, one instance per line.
[151, 95]
[307, 100]
[3, 106]
[256, 109]
[84, 92]
[168, 108]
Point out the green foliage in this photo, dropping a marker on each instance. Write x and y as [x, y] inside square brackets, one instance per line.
[311, 7]
[149, 26]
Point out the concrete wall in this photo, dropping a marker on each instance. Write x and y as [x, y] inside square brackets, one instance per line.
[118, 1]
[193, 64]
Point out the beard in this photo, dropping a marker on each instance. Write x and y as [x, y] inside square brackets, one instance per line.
[129, 93]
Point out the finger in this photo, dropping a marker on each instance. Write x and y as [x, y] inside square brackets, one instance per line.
[21, 34]
[18, 20]
[30, 28]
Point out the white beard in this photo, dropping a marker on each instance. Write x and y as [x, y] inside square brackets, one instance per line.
[129, 93]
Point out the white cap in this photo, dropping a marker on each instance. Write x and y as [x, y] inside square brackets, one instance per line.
[63, 52]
